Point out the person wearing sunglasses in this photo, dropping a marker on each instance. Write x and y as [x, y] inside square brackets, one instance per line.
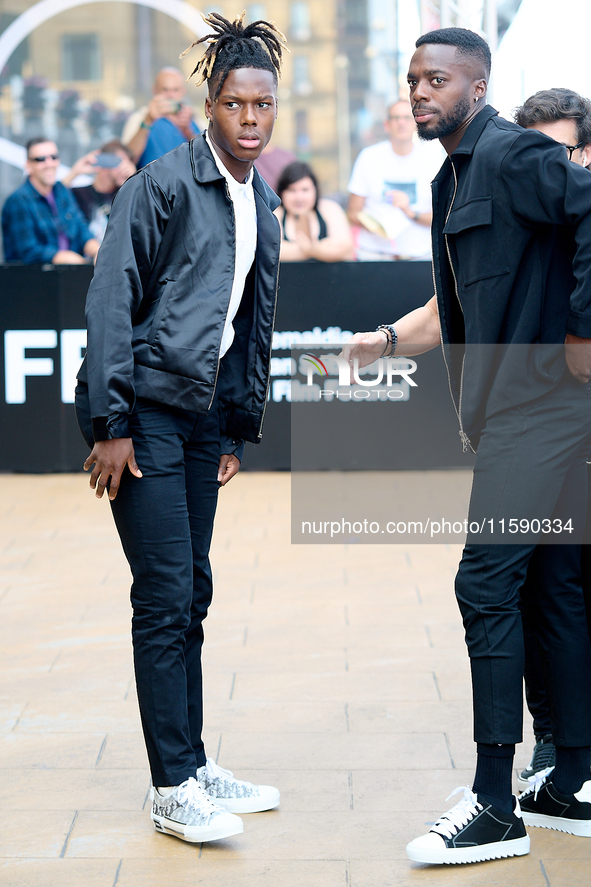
[41, 221]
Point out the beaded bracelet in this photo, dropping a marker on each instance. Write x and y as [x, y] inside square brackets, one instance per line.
[391, 339]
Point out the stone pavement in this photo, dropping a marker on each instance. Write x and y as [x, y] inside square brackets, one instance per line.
[338, 673]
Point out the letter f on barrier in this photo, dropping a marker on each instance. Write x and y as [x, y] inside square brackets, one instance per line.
[17, 366]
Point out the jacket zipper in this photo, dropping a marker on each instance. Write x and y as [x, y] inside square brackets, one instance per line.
[466, 445]
[217, 371]
[270, 353]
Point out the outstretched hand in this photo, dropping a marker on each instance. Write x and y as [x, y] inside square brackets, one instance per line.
[365, 347]
[578, 357]
[109, 458]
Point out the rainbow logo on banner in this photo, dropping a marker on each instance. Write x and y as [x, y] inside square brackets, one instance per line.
[316, 363]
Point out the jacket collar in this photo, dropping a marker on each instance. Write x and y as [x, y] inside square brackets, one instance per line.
[475, 130]
[205, 170]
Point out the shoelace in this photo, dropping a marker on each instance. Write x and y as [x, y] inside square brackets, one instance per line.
[537, 781]
[214, 771]
[192, 795]
[465, 810]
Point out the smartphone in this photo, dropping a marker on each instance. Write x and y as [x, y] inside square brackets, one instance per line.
[108, 161]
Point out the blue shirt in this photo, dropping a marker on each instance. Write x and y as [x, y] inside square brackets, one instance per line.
[164, 137]
[31, 230]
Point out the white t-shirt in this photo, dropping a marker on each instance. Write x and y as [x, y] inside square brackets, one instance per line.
[245, 216]
[379, 170]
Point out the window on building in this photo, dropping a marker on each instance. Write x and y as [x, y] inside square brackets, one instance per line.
[302, 134]
[255, 12]
[301, 77]
[81, 57]
[299, 25]
[355, 14]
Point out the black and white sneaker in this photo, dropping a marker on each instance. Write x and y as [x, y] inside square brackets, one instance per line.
[472, 831]
[544, 806]
[544, 756]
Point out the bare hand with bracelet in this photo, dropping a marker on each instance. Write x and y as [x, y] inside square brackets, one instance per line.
[417, 332]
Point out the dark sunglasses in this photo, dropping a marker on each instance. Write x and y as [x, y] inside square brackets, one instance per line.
[44, 158]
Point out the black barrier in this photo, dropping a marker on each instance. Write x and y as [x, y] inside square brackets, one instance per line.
[42, 317]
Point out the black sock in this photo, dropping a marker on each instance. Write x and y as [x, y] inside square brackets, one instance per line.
[572, 769]
[492, 783]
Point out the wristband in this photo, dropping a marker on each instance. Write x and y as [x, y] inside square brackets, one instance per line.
[391, 339]
[144, 125]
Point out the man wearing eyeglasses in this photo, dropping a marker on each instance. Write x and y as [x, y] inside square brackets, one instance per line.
[41, 221]
[390, 192]
[564, 116]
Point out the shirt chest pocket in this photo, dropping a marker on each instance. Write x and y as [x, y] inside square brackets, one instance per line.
[480, 252]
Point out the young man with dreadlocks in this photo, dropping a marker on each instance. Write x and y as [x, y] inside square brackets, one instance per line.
[180, 316]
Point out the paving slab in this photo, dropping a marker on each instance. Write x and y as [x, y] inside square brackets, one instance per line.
[336, 672]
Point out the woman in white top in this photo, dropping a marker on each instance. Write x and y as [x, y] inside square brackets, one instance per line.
[312, 228]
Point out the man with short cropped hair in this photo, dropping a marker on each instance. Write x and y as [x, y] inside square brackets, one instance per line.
[511, 240]
[390, 192]
[165, 123]
[41, 221]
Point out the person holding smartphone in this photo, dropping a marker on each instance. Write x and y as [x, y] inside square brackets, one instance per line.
[111, 165]
[162, 125]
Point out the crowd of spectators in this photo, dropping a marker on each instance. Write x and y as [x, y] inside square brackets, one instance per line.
[389, 203]
[50, 221]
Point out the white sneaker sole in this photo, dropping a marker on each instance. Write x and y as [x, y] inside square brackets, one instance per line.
[197, 834]
[457, 855]
[580, 827]
[248, 805]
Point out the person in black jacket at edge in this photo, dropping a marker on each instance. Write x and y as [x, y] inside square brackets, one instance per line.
[512, 309]
[180, 317]
[565, 116]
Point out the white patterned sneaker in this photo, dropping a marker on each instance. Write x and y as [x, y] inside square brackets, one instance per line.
[235, 795]
[190, 814]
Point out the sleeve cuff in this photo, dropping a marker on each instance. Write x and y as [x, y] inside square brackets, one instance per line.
[232, 446]
[579, 324]
[108, 427]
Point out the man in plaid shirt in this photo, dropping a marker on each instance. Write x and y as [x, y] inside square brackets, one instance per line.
[41, 221]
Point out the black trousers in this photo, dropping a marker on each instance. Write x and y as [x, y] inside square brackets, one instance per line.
[535, 679]
[165, 522]
[530, 466]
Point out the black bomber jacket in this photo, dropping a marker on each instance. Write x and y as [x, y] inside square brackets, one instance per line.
[512, 265]
[158, 301]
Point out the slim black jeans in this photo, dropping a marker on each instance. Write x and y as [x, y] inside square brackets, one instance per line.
[530, 465]
[165, 522]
